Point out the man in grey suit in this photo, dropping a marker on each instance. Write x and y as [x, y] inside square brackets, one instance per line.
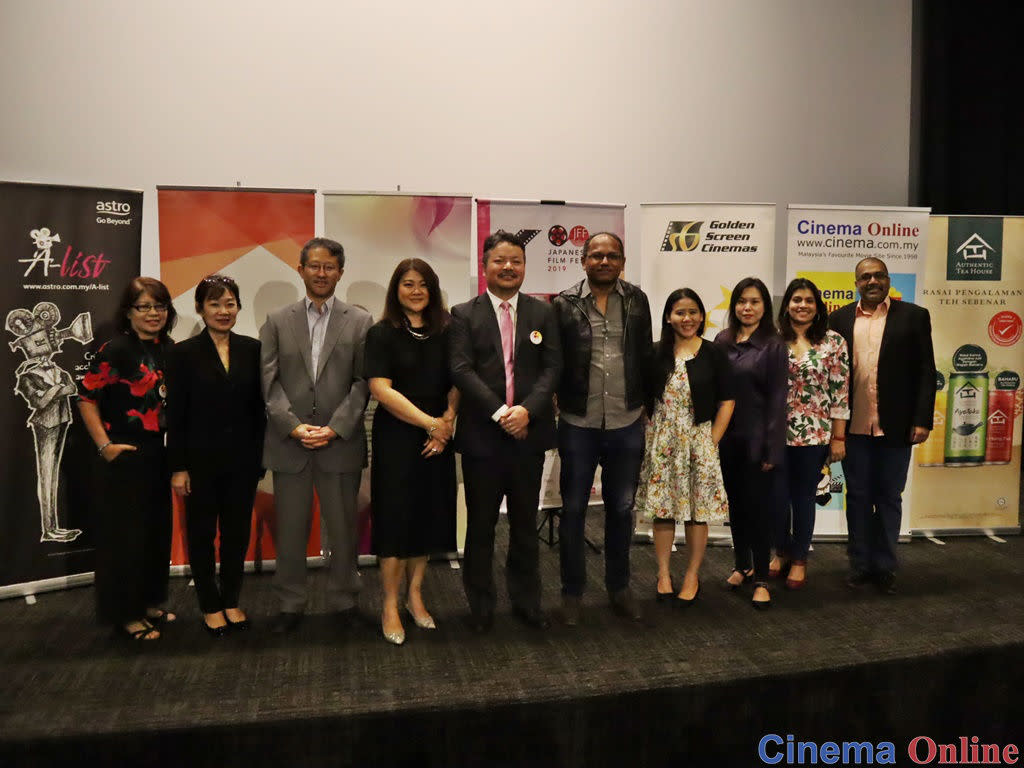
[313, 383]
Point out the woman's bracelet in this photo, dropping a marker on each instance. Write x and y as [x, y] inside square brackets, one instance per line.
[104, 447]
[433, 426]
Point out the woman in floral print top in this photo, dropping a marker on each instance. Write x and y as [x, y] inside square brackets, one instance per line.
[818, 408]
[121, 400]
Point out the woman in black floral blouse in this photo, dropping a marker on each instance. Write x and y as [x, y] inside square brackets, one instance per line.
[121, 400]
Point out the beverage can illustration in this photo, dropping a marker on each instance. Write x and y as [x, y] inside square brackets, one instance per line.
[966, 418]
[932, 452]
[1001, 407]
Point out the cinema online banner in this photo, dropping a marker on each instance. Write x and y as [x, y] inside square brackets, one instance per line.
[708, 247]
[824, 244]
[254, 236]
[966, 476]
[554, 233]
[70, 252]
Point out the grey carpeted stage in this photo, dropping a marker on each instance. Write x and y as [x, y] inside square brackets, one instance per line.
[942, 658]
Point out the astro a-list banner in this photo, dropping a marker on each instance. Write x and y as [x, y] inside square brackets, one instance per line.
[69, 251]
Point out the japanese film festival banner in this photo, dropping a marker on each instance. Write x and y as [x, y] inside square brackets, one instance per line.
[554, 233]
[708, 247]
[966, 476]
[378, 231]
[254, 237]
[824, 244]
[70, 252]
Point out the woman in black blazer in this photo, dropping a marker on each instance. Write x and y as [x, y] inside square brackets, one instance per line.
[215, 423]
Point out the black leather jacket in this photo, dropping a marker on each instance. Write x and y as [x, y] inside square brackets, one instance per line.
[577, 342]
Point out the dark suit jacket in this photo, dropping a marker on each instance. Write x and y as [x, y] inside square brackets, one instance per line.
[478, 370]
[906, 366]
[215, 418]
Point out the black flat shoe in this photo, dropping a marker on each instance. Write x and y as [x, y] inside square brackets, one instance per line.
[761, 605]
[237, 626]
[214, 631]
[747, 576]
[683, 602]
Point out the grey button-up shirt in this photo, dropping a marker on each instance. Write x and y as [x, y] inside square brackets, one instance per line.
[606, 395]
[317, 322]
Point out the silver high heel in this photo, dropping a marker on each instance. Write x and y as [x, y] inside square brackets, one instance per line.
[395, 638]
[427, 623]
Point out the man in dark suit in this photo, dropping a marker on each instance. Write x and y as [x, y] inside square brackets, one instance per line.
[505, 360]
[312, 358]
[892, 399]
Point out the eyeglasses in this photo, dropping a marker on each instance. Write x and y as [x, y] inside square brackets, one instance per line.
[145, 309]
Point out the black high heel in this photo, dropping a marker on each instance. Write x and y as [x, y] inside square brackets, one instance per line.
[683, 602]
[664, 597]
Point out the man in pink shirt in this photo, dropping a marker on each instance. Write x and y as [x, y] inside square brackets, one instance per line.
[892, 387]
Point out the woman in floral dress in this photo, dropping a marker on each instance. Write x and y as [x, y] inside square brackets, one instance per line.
[121, 400]
[690, 404]
[818, 407]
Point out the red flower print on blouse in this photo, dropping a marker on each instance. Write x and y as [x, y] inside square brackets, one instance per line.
[103, 378]
[146, 383]
[150, 419]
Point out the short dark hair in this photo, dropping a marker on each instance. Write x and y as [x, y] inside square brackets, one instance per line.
[767, 324]
[664, 353]
[435, 315]
[612, 235]
[135, 288]
[501, 236]
[819, 325]
[331, 246]
[215, 286]
[871, 258]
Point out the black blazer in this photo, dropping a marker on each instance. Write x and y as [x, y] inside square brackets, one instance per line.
[478, 370]
[906, 366]
[215, 418]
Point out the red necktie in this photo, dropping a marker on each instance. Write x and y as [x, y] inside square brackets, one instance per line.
[506, 348]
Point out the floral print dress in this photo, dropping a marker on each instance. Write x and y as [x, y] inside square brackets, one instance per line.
[681, 477]
[819, 382]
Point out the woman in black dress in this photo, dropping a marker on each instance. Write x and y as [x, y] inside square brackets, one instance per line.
[121, 400]
[215, 422]
[412, 476]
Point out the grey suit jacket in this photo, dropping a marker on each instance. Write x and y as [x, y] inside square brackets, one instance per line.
[335, 397]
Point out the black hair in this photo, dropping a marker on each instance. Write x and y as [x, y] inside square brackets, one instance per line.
[819, 325]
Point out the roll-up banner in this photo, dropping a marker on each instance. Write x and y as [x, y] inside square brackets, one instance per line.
[71, 251]
[824, 244]
[554, 233]
[380, 229]
[708, 247]
[966, 475]
[254, 236]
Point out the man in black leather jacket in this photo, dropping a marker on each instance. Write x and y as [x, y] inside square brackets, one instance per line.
[605, 328]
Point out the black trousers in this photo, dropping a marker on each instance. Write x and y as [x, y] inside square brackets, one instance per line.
[224, 502]
[752, 499]
[133, 532]
[515, 475]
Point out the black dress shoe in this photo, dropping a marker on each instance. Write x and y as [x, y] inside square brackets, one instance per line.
[886, 582]
[625, 604]
[285, 622]
[532, 617]
[481, 623]
[857, 579]
[220, 631]
[570, 610]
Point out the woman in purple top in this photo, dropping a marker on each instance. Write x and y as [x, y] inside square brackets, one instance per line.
[755, 443]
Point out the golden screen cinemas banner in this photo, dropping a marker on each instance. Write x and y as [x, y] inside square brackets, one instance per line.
[708, 247]
[554, 233]
[824, 244]
[68, 254]
[966, 476]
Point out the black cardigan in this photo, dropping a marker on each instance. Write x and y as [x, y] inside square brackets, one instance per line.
[710, 381]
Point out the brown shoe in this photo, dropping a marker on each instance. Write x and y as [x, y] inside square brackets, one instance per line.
[792, 583]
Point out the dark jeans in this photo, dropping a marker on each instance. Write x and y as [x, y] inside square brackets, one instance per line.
[795, 514]
[221, 502]
[876, 473]
[619, 453]
[752, 500]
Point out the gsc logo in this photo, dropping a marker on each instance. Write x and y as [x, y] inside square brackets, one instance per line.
[681, 236]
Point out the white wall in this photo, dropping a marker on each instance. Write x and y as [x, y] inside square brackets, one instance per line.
[604, 100]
